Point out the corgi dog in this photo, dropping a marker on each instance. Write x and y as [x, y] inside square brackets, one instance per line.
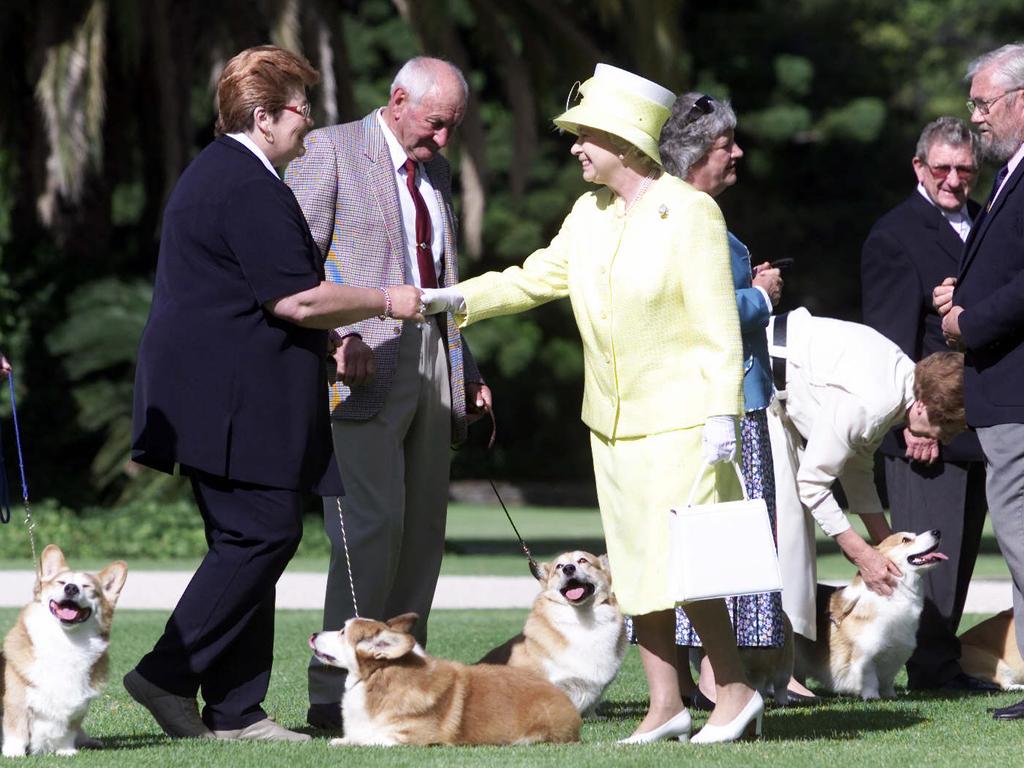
[54, 659]
[865, 638]
[988, 651]
[575, 636]
[397, 694]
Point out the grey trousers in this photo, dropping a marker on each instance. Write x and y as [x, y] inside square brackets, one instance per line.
[1003, 445]
[395, 467]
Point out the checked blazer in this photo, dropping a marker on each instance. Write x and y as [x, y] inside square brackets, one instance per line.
[346, 187]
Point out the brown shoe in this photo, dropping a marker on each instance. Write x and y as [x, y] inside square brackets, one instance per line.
[178, 716]
[263, 730]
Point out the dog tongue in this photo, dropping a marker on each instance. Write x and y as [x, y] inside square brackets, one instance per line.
[575, 593]
[932, 556]
[65, 613]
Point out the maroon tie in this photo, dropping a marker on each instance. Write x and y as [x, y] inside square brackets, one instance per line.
[424, 256]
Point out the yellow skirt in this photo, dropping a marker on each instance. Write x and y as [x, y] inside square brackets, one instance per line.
[638, 481]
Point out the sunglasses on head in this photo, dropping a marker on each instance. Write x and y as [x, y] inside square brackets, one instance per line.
[705, 105]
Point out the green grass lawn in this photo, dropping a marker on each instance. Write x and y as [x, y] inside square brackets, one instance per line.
[912, 730]
[480, 541]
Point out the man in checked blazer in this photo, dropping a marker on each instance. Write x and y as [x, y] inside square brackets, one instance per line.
[984, 314]
[908, 252]
[405, 388]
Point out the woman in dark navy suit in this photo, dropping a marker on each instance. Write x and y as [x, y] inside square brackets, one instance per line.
[232, 387]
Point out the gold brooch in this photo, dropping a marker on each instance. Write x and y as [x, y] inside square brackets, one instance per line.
[663, 211]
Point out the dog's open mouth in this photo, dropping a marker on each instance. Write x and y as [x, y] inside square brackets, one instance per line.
[576, 591]
[326, 657]
[931, 555]
[70, 612]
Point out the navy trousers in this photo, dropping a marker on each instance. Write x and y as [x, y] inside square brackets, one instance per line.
[220, 636]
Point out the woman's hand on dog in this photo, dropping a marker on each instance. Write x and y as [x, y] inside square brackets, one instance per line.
[878, 572]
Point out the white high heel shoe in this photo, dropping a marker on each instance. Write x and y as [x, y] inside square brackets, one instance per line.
[747, 724]
[677, 727]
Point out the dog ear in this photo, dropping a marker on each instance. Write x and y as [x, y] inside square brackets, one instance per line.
[112, 580]
[540, 571]
[388, 645]
[404, 622]
[52, 562]
[603, 560]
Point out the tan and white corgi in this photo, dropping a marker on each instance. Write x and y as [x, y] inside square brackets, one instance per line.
[396, 694]
[989, 651]
[575, 635]
[54, 659]
[865, 638]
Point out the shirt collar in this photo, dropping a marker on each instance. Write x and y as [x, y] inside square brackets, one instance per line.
[251, 145]
[396, 150]
[1014, 161]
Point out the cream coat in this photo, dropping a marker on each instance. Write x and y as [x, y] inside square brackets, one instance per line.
[654, 303]
[846, 386]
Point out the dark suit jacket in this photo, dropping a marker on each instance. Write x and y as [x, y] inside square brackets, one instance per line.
[909, 251]
[990, 289]
[221, 384]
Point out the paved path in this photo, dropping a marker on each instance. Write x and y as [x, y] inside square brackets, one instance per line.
[161, 589]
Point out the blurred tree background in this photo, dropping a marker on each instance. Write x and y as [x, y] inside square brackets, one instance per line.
[104, 102]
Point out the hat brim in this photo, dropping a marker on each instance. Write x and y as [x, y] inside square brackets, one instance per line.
[580, 115]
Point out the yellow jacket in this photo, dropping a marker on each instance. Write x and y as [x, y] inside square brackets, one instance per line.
[653, 297]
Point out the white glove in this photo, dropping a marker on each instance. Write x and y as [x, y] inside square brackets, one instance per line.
[719, 439]
[438, 300]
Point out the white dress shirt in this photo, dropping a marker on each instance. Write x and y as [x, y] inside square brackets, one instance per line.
[398, 158]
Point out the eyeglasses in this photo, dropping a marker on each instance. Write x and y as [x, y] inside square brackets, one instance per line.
[963, 172]
[705, 105]
[299, 109]
[984, 105]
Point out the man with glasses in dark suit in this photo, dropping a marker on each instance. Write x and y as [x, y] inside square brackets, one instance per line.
[909, 251]
[982, 311]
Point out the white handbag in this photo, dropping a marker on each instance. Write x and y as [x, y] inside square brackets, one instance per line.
[721, 550]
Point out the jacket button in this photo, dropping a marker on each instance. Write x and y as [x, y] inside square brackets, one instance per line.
[397, 330]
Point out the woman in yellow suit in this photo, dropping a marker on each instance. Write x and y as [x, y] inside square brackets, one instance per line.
[645, 261]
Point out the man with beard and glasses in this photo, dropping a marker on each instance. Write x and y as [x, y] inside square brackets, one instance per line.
[983, 311]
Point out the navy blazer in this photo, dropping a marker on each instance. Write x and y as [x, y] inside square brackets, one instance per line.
[990, 288]
[754, 311]
[909, 251]
[221, 384]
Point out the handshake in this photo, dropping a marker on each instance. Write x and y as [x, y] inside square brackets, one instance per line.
[437, 300]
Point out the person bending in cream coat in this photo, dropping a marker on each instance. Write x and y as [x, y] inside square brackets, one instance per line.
[842, 386]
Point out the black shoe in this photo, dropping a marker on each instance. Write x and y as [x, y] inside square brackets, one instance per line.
[701, 702]
[326, 717]
[1012, 712]
[801, 698]
[964, 683]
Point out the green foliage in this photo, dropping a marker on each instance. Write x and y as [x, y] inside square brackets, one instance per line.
[823, 89]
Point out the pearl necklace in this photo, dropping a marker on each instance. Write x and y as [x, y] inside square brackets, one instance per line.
[644, 186]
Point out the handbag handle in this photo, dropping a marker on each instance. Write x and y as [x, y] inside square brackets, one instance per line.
[700, 474]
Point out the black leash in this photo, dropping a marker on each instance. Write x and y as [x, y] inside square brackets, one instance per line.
[534, 568]
[5, 506]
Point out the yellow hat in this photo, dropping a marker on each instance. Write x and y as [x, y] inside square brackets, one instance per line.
[622, 104]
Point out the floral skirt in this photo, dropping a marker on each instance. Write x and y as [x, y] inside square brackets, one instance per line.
[757, 619]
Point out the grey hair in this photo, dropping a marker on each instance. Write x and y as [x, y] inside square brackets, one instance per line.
[418, 75]
[1007, 63]
[948, 130]
[683, 144]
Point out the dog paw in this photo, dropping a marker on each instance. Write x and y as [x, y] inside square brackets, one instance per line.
[339, 743]
[66, 752]
[13, 748]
